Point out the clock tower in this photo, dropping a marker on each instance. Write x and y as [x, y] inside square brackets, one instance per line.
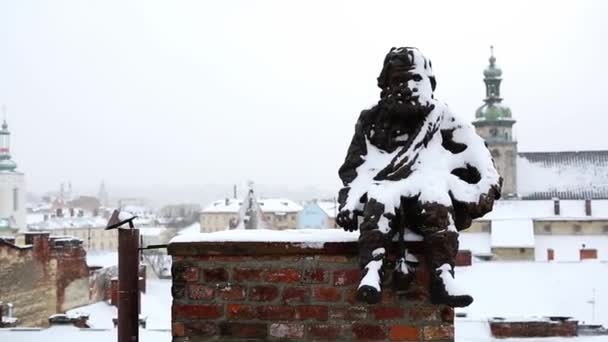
[494, 123]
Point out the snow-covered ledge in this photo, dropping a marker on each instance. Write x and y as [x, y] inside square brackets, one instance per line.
[273, 242]
[297, 285]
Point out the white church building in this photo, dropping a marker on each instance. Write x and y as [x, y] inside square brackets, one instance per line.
[12, 188]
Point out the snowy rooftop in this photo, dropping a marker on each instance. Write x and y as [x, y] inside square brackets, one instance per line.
[231, 205]
[102, 259]
[69, 222]
[581, 174]
[69, 333]
[543, 209]
[268, 235]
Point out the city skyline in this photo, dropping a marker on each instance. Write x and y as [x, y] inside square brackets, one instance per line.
[149, 96]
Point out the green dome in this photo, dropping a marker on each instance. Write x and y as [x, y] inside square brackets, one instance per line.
[7, 165]
[492, 71]
[493, 111]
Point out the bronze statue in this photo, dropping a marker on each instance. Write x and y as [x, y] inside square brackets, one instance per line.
[413, 167]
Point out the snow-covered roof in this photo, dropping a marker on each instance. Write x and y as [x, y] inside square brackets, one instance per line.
[515, 289]
[69, 222]
[194, 228]
[566, 175]
[312, 236]
[102, 259]
[543, 209]
[65, 333]
[512, 233]
[268, 205]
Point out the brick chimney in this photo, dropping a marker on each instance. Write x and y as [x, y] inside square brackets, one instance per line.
[588, 207]
[550, 254]
[588, 253]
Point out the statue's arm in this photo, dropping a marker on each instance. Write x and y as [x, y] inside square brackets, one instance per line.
[350, 204]
[475, 164]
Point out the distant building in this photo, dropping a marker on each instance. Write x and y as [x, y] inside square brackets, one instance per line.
[535, 175]
[276, 213]
[528, 229]
[12, 188]
[554, 204]
[318, 214]
[46, 276]
[102, 195]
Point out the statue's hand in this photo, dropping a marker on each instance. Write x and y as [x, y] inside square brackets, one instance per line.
[347, 220]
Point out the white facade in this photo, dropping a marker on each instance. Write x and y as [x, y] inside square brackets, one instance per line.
[13, 197]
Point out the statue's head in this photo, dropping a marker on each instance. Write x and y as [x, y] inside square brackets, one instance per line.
[407, 84]
[407, 74]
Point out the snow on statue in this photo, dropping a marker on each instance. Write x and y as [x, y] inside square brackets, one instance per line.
[412, 166]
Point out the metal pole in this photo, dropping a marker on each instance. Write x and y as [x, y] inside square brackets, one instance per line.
[128, 274]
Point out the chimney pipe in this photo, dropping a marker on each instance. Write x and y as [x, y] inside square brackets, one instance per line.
[588, 207]
[556, 208]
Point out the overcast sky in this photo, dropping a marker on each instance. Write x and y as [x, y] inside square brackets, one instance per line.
[178, 93]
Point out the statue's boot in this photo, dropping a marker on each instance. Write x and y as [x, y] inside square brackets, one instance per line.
[370, 289]
[404, 271]
[441, 250]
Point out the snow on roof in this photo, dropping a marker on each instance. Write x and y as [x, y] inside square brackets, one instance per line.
[69, 222]
[543, 209]
[268, 235]
[194, 228]
[68, 333]
[151, 231]
[314, 238]
[569, 175]
[155, 306]
[102, 259]
[512, 233]
[515, 289]
[268, 205]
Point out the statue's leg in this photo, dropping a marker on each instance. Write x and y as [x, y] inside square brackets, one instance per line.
[441, 247]
[373, 239]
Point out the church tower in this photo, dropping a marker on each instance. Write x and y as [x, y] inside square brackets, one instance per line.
[12, 187]
[494, 123]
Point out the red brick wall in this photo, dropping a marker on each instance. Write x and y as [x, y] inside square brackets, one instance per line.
[533, 329]
[256, 291]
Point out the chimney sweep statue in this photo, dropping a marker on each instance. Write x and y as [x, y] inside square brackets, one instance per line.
[413, 167]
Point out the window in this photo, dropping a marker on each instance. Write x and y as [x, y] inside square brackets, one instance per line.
[547, 228]
[577, 228]
[605, 229]
[15, 199]
[522, 250]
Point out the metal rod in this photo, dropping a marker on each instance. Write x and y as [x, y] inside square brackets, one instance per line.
[152, 247]
[128, 277]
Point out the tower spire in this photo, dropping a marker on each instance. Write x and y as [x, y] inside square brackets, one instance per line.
[6, 164]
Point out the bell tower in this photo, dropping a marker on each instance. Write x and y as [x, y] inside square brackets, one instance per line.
[494, 123]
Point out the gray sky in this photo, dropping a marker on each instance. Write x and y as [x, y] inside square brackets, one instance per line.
[178, 93]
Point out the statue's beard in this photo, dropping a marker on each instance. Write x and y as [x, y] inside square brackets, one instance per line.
[393, 124]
